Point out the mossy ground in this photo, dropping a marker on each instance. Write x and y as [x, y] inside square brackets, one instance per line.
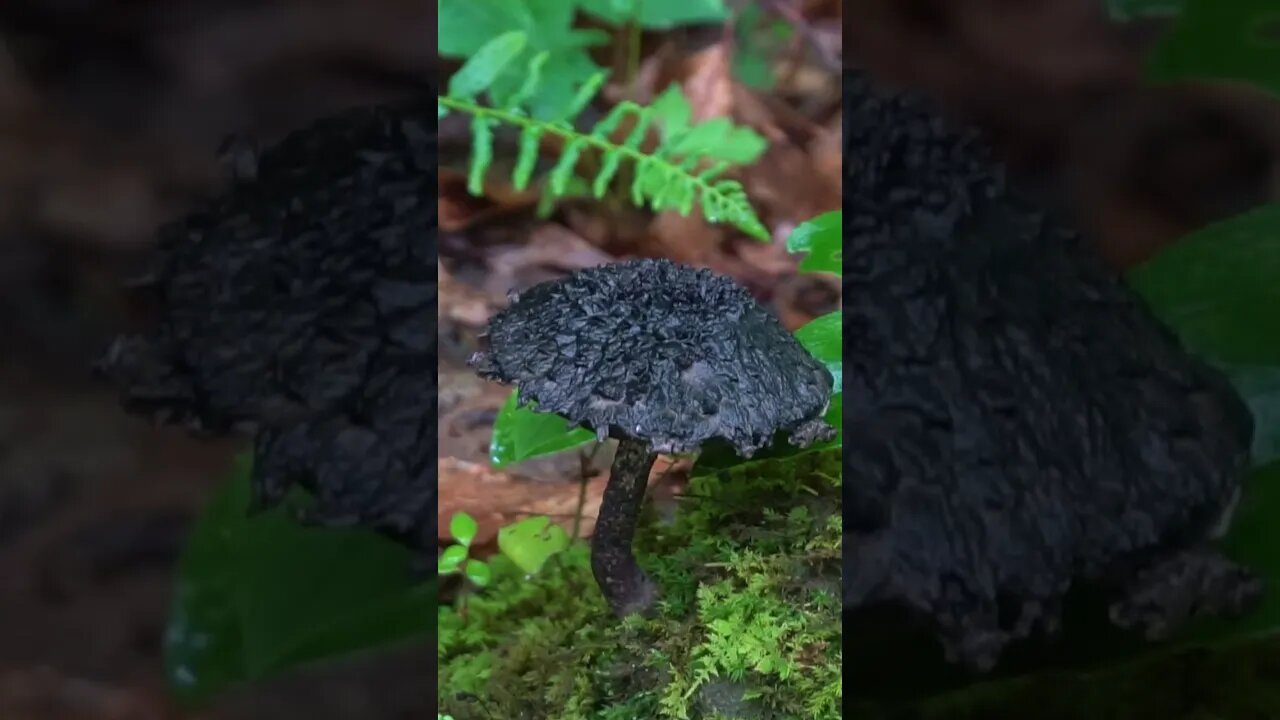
[748, 627]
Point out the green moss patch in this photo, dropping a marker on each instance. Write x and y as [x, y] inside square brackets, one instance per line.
[748, 627]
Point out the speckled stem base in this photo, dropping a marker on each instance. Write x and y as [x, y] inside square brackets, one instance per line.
[625, 586]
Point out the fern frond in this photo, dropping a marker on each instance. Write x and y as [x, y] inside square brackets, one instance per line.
[682, 173]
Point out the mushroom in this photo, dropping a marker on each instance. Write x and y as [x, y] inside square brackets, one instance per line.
[298, 307]
[662, 357]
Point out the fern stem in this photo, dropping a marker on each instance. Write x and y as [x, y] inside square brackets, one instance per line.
[633, 44]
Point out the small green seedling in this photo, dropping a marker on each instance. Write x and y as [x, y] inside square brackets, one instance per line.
[454, 559]
[821, 241]
[532, 541]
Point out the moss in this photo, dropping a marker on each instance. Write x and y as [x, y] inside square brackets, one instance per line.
[748, 627]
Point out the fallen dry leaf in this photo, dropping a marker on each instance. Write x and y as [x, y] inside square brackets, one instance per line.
[752, 111]
[552, 251]
[784, 186]
[495, 498]
[685, 239]
[458, 209]
[708, 84]
[825, 150]
[460, 302]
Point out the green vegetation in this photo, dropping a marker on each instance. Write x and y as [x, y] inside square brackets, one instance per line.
[748, 627]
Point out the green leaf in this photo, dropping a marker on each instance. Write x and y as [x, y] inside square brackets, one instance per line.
[465, 26]
[258, 595]
[756, 39]
[1260, 388]
[822, 240]
[680, 174]
[753, 69]
[521, 433]
[531, 542]
[718, 455]
[463, 528]
[823, 338]
[720, 139]
[1225, 40]
[657, 14]
[490, 61]
[1254, 543]
[451, 560]
[672, 111]
[835, 418]
[717, 138]
[1219, 288]
[478, 572]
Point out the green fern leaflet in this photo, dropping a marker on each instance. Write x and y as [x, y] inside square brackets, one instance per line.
[682, 173]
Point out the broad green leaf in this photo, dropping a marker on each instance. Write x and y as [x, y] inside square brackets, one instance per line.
[718, 455]
[752, 68]
[465, 26]
[657, 14]
[451, 560]
[717, 138]
[1224, 40]
[204, 643]
[1254, 542]
[463, 528]
[490, 61]
[1220, 287]
[821, 239]
[531, 542]
[756, 40]
[823, 338]
[258, 595]
[672, 111]
[478, 572]
[521, 433]
[1260, 388]
[835, 418]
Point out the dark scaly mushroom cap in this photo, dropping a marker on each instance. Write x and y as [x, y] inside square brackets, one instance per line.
[300, 307]
[660, 352]
[1023, 421]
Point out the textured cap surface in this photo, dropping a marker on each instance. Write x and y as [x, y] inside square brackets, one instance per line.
[1019, 419]
[660, 352]
[300, 306]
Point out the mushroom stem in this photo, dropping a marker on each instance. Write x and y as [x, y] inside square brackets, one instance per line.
[625, 586]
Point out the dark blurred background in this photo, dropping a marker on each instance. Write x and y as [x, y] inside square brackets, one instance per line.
[1058, 85]
[111, 115]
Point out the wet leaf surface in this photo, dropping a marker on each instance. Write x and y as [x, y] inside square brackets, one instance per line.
[256, 595]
